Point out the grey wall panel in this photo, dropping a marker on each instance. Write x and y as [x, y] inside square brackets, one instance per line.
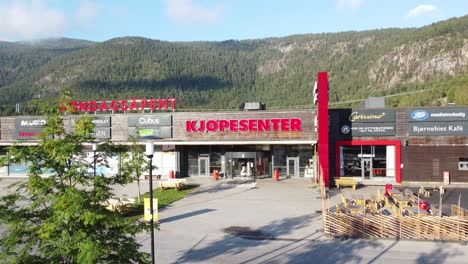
[119, 128]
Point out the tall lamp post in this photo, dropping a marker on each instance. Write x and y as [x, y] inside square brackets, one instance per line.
[149, 154]
[94, 158]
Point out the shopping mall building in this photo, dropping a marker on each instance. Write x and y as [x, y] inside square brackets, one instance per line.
[370, 145]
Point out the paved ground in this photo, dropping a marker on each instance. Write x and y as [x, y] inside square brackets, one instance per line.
[271, 222]
[274, 222]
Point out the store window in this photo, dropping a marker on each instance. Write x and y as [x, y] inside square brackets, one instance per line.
[463, 164]
[367, 161]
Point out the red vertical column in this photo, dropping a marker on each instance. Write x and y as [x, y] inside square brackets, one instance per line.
[322, 126]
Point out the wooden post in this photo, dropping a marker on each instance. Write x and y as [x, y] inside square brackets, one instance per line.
[440, 201]
[315, 164]
[459, 218]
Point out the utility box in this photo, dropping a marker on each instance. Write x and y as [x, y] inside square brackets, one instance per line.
[254, 106]
[374, 102]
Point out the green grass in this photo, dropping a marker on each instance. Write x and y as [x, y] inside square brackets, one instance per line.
[165, 198]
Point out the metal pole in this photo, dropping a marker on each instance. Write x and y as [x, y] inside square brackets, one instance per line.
[94, 155]
[8, 164]
[151, 206]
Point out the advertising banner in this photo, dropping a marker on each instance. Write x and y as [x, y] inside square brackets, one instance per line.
[372, 116]
[368, 130]
[438, 128]
[147, 209]
[149, 120]
[102, 132]
[98, 121]
[28, 133]
[30, 122]
[161, 132]
[439, 114]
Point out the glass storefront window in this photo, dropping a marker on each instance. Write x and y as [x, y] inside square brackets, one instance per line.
[367, 161]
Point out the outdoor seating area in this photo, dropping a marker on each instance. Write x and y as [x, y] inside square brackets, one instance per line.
[394, 213]
[177, 184]
[399, 203]
[119, 205]
[341, 182]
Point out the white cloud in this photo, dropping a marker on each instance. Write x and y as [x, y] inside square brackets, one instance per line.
[189, 11]
[86, 12]
[28, 20]
[352, 4]
[421, 10]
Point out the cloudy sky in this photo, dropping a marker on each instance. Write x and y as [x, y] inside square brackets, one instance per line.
[192, 20]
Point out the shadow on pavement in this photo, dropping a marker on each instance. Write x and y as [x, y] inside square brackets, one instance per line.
[239, 239]
[190, 214]
[440, 255]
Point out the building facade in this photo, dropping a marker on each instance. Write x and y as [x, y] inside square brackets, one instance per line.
[370, 145]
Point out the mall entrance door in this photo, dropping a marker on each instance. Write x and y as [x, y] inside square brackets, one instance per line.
[240, 164]
[292, 169]
[366, 168]
[203, 166]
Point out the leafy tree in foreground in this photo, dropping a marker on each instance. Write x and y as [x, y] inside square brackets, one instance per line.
[136, 164]
[60, 218]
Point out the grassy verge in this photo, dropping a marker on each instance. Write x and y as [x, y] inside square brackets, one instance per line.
[165, 198]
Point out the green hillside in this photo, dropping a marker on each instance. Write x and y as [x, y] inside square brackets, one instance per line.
[277, 71]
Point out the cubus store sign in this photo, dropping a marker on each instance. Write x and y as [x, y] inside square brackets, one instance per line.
[120, 105]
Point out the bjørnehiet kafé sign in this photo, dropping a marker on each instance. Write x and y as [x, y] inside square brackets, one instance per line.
[438, 128]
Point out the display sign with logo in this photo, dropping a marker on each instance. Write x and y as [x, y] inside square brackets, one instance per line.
[101, 133]
[439, 114]
[372, 116]
[150, 120]
[368, 130]
[98, 121]
[29, 133]
[438, 128]
[141, 132]
[30, 122]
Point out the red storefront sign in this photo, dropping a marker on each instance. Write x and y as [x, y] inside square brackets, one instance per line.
[244, 125]
[122, 105]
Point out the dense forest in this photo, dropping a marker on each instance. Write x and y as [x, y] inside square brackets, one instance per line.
[425, 66]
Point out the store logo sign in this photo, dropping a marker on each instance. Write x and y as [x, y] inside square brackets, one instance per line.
[148, 121]
[419, 115]
[345, 129]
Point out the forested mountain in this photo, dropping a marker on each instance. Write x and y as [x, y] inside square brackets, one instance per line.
[424, 66]
[18, 59]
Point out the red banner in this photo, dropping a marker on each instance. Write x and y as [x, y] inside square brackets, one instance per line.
[122, 105]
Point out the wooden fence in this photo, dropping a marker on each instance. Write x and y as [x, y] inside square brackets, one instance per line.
[396, 227]
[458, 211]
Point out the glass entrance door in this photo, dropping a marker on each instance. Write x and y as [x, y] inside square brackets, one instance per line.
[366, 168]
[203, 166]
[292, 168]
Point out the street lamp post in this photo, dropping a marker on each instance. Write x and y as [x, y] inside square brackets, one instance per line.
[94, 158]
[149, 154]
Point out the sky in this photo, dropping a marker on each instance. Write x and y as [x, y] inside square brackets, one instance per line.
[212, 20]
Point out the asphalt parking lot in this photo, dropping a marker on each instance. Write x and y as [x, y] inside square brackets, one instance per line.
[265, 221]
[275, 222]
